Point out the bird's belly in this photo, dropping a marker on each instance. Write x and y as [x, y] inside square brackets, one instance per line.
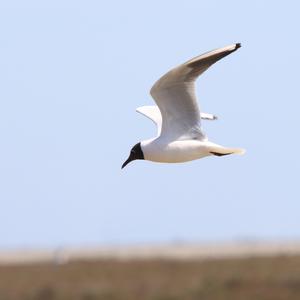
[176, 152]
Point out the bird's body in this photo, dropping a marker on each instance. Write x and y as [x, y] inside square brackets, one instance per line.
[178, 118]
[161, 150]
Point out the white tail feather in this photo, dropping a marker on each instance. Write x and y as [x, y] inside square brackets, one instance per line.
[238, 151]
[217, 150]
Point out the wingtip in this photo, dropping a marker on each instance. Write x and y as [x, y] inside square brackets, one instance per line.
[238, 45]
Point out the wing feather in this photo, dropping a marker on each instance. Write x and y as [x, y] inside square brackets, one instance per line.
[174, 94]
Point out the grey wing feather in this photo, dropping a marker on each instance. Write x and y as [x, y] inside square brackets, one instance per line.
[174, 93]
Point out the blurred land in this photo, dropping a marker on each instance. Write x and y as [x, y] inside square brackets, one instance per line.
[253, 275]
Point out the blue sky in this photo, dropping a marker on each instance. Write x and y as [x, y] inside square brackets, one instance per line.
[72, 74]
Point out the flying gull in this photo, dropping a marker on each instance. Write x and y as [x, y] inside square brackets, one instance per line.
[180, 137]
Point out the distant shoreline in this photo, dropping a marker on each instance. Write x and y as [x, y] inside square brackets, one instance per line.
[180, 251]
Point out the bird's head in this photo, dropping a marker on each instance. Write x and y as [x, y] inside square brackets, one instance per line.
[135, 153]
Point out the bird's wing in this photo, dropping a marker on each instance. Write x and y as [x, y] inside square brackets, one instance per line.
[153, 113]
[174, 94]
[206, 116]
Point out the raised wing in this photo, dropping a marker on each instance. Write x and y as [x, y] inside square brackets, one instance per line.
[174, 94]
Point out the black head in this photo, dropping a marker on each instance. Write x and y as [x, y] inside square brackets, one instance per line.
[135, 153]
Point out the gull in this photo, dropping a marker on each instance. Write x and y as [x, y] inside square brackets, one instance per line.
[177, 116]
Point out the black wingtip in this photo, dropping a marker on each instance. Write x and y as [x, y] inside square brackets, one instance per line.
[238, 45]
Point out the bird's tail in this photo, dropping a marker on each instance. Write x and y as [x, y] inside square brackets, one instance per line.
[220, 151]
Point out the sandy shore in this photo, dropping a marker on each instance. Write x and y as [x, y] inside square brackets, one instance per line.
[183, 251]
